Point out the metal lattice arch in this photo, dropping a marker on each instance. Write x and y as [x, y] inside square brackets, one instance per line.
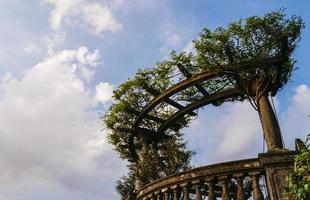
[231, 90]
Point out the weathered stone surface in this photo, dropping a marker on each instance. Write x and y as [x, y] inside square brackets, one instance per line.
[276, 165]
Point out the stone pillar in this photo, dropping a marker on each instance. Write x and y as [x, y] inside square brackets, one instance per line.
[151, 197]
[175, 192]
[257, 192]
[277, 165]
[166, 193]
[210, 182]
[158, 195]
[240, 190]
[185, 191]
[197, 186]
[223, 180]
[270, 124]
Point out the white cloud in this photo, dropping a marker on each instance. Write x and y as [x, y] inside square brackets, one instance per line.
[189, 48]
[241, 130]
[296, 120]
[115, 4]
[225, 133]
[61, 9]
[50, 132]
[104, 92]
[92, 16]
[170, 41]
[234, 132]
[53, 40]
[99, 18]
[31, 48]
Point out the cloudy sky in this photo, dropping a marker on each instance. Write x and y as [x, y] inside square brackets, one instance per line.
[61, 59]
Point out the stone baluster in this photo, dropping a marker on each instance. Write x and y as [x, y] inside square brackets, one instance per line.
[240, 190]
[166, 193]
[151, 197]
[175, 192]
[257, 193]
[185, 191]
[197, 186]
[158, 195]
[210, 182]
[223, 181]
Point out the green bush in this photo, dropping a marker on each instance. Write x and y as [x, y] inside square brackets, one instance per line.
[299, 178]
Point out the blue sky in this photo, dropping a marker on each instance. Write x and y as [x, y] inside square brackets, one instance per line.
[60, 60]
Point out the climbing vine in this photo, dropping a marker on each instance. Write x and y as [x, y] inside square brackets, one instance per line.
[299, 178]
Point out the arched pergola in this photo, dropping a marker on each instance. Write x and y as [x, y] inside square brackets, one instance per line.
[231, 90]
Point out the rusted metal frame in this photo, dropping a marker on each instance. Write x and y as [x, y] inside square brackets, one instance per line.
[151, 117]
[187, 74]
[197, 104]
[167, 100]
[199, 87]
[139, 129]
[198, 78]
[173, 90]
[187, 83]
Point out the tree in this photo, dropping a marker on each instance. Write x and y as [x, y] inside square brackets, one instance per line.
[250, 59]
[126, 184]
[155, 155]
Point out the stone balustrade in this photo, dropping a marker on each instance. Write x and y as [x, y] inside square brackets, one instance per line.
[219, 180]
[238, 180]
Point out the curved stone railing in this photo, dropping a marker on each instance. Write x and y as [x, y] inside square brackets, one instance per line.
[211, 181]
[230, 180]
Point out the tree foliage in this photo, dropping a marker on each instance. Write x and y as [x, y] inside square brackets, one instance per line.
[126, 184]
[254, 41]
[160, 157]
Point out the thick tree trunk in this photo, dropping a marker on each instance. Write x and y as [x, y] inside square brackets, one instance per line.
[270, 125]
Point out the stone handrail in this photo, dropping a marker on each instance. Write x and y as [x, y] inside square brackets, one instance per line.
[226, 180]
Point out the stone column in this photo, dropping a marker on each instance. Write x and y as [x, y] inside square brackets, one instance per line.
[175, 192]
[270, 124]
[240, 190]
[151, 197]
[210, 182]
[158, 195]
[223, 180]
[197, 186]
[257, 192]
[185, 191]
[277, 165]
[166, 193]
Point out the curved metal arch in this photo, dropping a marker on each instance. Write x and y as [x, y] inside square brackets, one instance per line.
[196, 79]
[176, 88]
[225, 69]
[198, 104]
